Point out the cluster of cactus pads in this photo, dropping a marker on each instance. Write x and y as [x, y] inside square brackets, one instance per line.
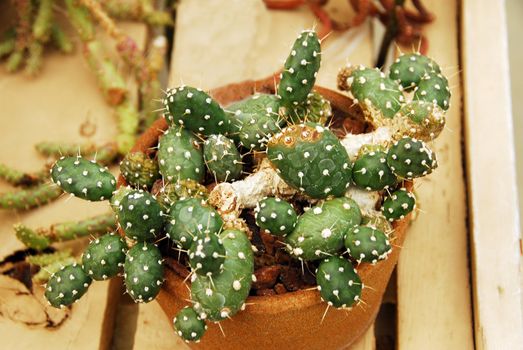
[205, 144]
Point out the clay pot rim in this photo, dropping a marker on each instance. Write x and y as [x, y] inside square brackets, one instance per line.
[300, 299]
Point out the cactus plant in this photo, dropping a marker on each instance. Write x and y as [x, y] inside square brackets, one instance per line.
[139, 170]
[82, 178]
[275, 216]
[189, 325]
[195, 110]
[222, 158]
[140, 215]
[207, 254]
[434, 87]
[311, 158]
[219, 297]
[410, 68]
[367, 244]
[338, 282]
[300, 69]
[143, 272]
[421, 120]
[180, 156]
[410, 158]
[67, 285]
[320, 231]
[398, 204]
[104, 257]
[190, 218]
[372, 173]
[169, 193]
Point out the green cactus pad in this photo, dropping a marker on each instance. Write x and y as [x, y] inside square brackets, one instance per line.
[408, 69]
[140, 216]
[372, 173]
[118, 195]
[104, 257]
[434, 88]
[180, 156]
[378, 220]
[320, 231]
[367, 244]
[255, 120]
[315, 109]
[172, 192]
[338, 282]
[276, 216]
[83, 178]
[67, 285]
[191, 218]
[143, 272]
[409, 158]
[188, 325]
[207, 254]
[378, 95]
[398, 205]
[222, 158]
[310, 158]
[222, 296]
[196, 111]
[422, 120]
[139, 170]
[300, 69]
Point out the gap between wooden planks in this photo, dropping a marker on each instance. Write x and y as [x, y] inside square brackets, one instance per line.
[51, 107]
[494, 221]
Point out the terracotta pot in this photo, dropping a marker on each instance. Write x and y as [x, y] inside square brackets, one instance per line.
[292, 320]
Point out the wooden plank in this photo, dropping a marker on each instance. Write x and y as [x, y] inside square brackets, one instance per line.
[211, 52]
[51, 107]
[434, 306]
[493, 214]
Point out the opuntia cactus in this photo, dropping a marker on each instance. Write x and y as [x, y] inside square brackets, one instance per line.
[189, 325]
[311, 158]
[367, 244]
[195, 110]
[143, 272]
[83, 178]
[398, 204]
[434, 88]
[275, 216]
[139, 170]
[190, 218]
[338, 282]
[300, 69]
[207, 254]
[140, 216]
[421, 120]
[180, 156]
[104, 257]
[222, 158]
[371, 172]
[410, 68]
[320, 230]
[255, 120]
[315, 109]
[378, 95]
[67, 285]
[169, 193]
[220, 297]
[409, 158]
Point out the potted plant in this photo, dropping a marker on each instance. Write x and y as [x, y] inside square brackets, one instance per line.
[212, 231]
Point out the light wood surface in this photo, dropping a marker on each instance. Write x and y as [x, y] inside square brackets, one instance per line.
[51, 107]
[434, 307]
[494, 223]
